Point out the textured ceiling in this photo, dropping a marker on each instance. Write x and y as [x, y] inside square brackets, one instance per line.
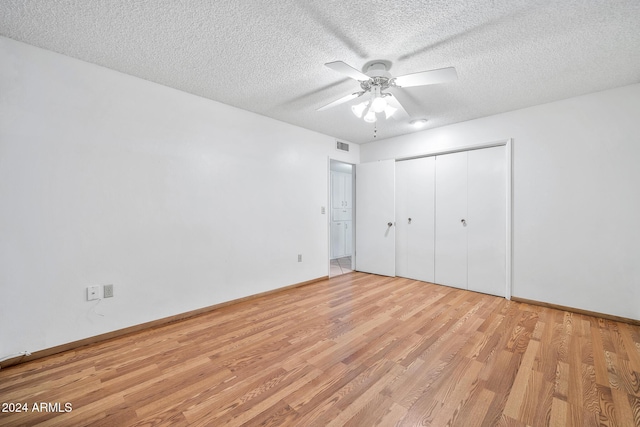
[267, 56]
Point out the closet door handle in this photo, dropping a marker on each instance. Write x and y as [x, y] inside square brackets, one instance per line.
[409, 220]
[389, 224]
[464, 222]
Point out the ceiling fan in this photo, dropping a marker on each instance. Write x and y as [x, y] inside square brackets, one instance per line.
[377, 80]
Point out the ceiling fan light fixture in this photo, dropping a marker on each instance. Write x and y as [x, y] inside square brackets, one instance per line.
[370, 117]
[389, 110]
[378, 104]
[358, 109]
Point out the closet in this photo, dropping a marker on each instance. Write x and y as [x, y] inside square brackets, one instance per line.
[451, 219]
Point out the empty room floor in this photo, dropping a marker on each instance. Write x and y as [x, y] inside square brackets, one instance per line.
[357, 349]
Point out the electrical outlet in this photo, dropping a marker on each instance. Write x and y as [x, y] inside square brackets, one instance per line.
[299, 257]
[93, 292]
[108, 291]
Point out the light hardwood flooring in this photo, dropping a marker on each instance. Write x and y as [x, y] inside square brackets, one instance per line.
[357, 350]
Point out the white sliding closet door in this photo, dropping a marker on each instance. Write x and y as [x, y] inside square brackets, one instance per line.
[487, 215]
[415, 217]
[471, 212]
[375, 216]
[450, 217]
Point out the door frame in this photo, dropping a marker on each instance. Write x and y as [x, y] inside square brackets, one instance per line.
[328, 212]
[508, 144]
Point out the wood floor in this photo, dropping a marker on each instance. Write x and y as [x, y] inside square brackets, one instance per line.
[358, 350]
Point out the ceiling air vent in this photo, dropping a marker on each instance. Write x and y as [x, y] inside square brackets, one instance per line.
[342, 146]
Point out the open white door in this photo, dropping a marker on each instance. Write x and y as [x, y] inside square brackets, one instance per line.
[375, 218]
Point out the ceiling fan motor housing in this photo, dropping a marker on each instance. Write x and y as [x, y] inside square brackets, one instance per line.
[377, 68]
[380, 77]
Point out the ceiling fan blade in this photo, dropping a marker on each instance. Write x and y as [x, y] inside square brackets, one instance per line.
[347, 70]
[340, 101]
[401, 113]
[430, 77]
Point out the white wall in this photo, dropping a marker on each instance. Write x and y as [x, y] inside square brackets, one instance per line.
[576, 195]
[178, 201]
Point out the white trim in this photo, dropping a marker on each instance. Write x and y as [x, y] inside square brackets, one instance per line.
[457, 150]
[327, 212]
[509, 218]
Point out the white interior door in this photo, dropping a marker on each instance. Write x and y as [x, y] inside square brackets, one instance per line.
[451, 215]
[375, 210]
[415, 218]
[487, 220]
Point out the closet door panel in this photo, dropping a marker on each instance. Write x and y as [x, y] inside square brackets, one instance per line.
[421, 231]
[486, 225]
[415, 234]
[450, 218]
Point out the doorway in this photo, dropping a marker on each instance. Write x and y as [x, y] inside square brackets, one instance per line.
[341, 215]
